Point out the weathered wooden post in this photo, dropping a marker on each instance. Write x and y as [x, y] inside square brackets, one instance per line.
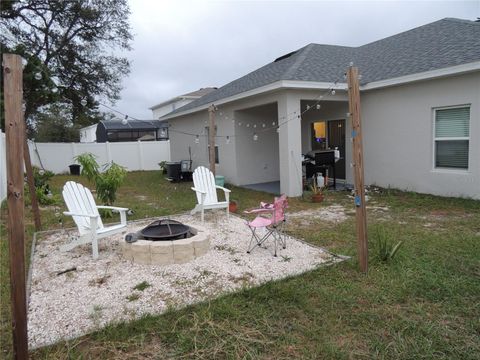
[211, 137]
[360, 209]
[15, 138]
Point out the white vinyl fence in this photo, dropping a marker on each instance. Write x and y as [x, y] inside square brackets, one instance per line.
[56, 157]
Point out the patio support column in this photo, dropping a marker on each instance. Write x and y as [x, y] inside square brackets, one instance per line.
[290, 144]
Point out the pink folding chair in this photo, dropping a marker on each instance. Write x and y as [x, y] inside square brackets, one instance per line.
[272, 218]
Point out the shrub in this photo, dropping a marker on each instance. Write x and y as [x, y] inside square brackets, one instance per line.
[106, 182]
[385, 249]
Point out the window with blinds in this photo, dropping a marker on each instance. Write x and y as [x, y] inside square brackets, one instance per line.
[452, 137]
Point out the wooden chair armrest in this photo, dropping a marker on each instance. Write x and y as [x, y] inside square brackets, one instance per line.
[68, 213]
[222, 188]
[112, 208]
[198, 190]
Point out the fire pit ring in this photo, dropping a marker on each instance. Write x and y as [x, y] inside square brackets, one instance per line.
[193, 244]
[165, 229]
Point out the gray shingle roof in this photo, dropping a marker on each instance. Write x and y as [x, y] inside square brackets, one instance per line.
[444, 43]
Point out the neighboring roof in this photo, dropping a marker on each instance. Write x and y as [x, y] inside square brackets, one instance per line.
[133, 124]
[191, 95]
[444, 43]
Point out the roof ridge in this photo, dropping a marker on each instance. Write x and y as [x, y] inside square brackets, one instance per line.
[401, 33]
[463, 21]
[298, 61]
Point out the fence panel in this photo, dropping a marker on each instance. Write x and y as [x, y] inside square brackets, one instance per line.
[57, 157]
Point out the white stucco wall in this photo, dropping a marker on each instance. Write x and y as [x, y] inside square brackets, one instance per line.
[168, 108]
[398, 136]
[257, 161]
[88, 134]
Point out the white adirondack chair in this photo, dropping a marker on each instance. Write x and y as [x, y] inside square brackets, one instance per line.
[81, 206]
[206, 191]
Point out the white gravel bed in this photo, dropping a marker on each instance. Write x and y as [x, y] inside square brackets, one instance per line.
[102, 291]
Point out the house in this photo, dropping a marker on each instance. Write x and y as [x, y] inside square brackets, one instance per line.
[88, 134]
[420, 109]
[131, 130]
[168, 106]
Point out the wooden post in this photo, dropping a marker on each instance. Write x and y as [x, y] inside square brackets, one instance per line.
[31, 185]
[15, 134]
[211, 137]
[361, 212]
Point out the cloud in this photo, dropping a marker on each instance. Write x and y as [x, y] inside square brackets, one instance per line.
[181, 46]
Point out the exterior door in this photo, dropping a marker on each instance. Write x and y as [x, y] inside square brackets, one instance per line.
[336, 138]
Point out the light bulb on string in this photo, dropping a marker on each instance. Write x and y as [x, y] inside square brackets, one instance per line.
[24, 106]
[254, 125]
[263, 125]
[239, 124]
[255, 137]
[318, 106]
[125, 120]
[83, 102]
[54, 90]
[197, 139]
[333, 92]
[38, 76]
[24, 62]
[308, 107]
[278, 129]
[248, 125]
[227, 141]
[273, 123]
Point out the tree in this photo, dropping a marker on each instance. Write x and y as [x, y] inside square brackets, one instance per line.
[54, 125]
[71, 48]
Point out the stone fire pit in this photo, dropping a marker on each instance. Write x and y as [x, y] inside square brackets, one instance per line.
[166, 252]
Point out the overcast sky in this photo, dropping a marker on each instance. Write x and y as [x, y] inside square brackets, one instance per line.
[181, 46]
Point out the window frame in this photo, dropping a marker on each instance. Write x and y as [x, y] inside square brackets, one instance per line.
[452, 138]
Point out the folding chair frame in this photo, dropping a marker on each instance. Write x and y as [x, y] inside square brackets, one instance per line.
[276, 231]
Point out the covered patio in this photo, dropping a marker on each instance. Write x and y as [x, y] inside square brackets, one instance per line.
[271, 139]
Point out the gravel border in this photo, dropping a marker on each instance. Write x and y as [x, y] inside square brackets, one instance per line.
[108, 290]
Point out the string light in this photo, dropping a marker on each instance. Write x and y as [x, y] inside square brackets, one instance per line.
[248, 125]
[318, 106]
[83, 102]
[197, 139]
[227, 141]
[125, 120]
[254, 125]
[38, 76]
[333, 92]
[263, 125]
[308, 107]
[255, 137]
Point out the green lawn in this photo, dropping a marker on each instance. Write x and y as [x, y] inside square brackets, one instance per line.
[423, 304]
